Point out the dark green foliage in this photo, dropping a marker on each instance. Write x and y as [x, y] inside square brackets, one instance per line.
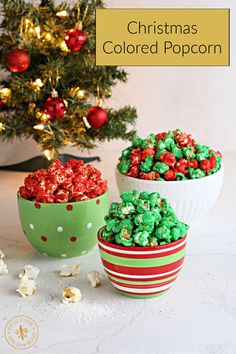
[64, 71]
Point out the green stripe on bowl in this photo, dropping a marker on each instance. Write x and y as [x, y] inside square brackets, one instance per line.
[142, 263]
[144, 282]
[137, 296]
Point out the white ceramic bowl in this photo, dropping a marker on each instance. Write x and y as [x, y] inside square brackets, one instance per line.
[190, 199]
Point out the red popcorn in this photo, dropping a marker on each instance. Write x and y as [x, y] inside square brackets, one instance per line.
[135, 159]
[151, 176]
[170, 175]
[168, 158]
[181, 166]
[161, 136]
[213, 161]
[147, 152]
[62, 183]
[205, 165]
[193, 164]
[134, 171]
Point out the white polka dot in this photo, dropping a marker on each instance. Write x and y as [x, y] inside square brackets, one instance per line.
[83, 252]
[45, 254]
[31, 226]
[89, 225]
[63, 255]
[60, 229]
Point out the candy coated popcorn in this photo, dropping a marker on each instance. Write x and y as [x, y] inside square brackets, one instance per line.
[168, 156]
[150, 222]
[63, 183]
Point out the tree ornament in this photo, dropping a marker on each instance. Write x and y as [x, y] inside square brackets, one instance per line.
[97, 117]
[54, 107]
[18, 61]
[1, 102]
[75, 38]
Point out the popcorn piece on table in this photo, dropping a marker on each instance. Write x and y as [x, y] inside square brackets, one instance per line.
[31, 271]
[3, 268]
[71, 294]
[2, 254]
[27, 287]
[67, 271]
[95, 278]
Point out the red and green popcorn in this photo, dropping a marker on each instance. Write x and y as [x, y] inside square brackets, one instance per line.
[172, 156]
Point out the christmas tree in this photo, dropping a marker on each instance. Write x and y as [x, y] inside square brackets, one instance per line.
[53, 91]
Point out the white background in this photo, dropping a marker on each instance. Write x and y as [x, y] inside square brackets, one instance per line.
[200, 100]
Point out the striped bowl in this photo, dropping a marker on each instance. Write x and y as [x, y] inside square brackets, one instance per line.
[142, 272]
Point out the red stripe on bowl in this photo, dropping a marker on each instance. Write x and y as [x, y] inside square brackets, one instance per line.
[145, 270]
[143, 286]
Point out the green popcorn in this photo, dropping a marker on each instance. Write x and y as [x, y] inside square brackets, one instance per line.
[157, 212]
[149, 218]
[137, 142]
[161, 243]
[177, 152]
[161, 145]
[198, 173]
[158, 153]
[127, 208]
[148, 227]
[110, 224]
[153, 241]
[143, 206]
[180, 177]
[149, 142]
[169, 142]
[127, 224]
[175, 233]
[117, 227]
[164, 206]
[163, 233]
[125, 154]
[124, 238]
[107, 235]
[123, 166]
[160, 167]
[144, 195]
[127, 196]
[113, 212]
[189, 152]
[141, 238]
[160, 179]
[202, 152]
[138, 219]
[167, 222]
[153, 198]
[146, 164]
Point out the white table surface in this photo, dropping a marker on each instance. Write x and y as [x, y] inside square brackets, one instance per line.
[197, 316]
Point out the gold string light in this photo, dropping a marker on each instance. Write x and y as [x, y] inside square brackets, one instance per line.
[49, 154]
[62, 13]
[2, 128]
[39, 127]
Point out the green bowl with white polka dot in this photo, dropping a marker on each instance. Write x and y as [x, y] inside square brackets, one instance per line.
[65, 229]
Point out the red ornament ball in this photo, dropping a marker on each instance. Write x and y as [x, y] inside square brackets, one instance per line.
[74, 39]
[1, 102]
[54, 108]
[97, 117]
[18, 61]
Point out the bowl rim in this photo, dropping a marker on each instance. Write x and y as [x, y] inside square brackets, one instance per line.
[188, 181]
[140, 248]
[60, 204]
